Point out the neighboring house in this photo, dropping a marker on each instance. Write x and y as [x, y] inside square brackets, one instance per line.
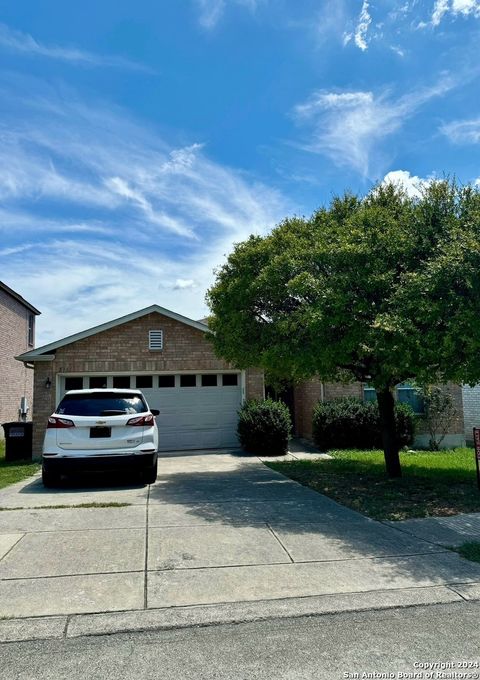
[471, 410]
[169, 358]
[17, 334]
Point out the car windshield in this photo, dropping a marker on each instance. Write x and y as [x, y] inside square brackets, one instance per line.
[101, 404]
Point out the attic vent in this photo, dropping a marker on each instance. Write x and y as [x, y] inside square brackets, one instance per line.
[155, 339]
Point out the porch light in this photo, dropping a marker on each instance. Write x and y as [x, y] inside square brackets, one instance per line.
[48, 383]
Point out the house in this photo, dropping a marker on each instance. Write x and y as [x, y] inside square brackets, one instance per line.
[169, 358]
[471, 410]
[164, 354]
[17, 334]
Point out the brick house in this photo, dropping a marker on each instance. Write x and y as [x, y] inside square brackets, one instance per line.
[17, 334]
[169, 358]
[164, 354]
[307, 394]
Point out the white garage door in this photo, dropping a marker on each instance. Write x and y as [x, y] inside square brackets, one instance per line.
[196, 411]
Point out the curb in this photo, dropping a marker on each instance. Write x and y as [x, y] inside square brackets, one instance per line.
[108, 623]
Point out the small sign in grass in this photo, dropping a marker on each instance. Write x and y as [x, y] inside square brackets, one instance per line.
[433, 484]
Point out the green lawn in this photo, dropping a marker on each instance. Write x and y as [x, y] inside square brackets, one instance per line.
[16, 471]
[433, 484]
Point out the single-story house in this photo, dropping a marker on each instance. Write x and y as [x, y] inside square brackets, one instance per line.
[17, 334]
[169, 358]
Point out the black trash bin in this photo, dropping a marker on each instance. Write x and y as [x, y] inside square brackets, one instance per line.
[18, 441]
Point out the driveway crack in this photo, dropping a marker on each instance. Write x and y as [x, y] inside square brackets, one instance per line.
[279, 541]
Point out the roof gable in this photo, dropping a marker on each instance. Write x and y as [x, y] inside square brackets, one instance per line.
[19, 298]
[40, 352]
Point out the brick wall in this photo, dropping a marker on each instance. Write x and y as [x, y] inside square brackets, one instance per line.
[16, 380]
[125, 349]
[471, 410]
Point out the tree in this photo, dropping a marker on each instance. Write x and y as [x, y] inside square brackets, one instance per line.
[381, 289]
[440, 412]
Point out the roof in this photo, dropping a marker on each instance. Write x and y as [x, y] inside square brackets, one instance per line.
[45, 352]
[19, 298]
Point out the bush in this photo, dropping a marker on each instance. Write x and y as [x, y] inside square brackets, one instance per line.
[351, 423]
[264, 427]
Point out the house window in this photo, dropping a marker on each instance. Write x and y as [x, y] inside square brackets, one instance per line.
[209, 380]
[405, 394]
[31, 330]
[408, 394]
[121, 382]
[97, 382]
[155, 340]
[144, 381]
[74, 383]
[166, 381]
[188, 380]
[229, 379]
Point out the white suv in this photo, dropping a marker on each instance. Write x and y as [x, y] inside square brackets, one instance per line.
[99, 430]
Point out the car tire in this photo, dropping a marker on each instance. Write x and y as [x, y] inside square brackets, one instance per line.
[150, 474]
[50, 479]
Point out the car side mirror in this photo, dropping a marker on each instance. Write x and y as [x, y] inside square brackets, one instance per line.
[154, 411]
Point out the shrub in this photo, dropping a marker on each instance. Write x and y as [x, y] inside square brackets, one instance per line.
[351, 423]
[264, 427]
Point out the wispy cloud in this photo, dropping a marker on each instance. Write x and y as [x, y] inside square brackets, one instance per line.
[349, 127]
[24, 43]
[454, 8]
[112, 216]
[463, 131]
[211, 11]
[360, 34]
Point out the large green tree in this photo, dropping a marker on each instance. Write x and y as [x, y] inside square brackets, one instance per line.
[381, 289]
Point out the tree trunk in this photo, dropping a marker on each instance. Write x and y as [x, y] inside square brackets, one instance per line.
[386, 407]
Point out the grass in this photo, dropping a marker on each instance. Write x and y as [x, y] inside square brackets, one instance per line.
[15, 471]
[470, 551]
[63, 506]
[433, 484]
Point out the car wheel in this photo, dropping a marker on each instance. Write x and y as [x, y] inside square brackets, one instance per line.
[150, 474]
[50, 479]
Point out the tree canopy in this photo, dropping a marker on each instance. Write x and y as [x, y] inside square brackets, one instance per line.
[380, 289]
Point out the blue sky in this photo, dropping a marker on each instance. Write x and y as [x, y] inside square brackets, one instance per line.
[140, 140]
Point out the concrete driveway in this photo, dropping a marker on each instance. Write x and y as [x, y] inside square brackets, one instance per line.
[216, 528]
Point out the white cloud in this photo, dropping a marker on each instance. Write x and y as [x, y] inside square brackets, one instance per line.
[362, 27]
[19, 42]
[102, 216]
[211, 11]
[180, 284]
[463, 131]
[349, 127]
[455, 8]
[412, 184]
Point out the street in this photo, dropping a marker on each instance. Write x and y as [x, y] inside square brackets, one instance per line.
[333, 646]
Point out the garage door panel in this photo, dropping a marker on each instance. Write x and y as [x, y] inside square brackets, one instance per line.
[196, 417]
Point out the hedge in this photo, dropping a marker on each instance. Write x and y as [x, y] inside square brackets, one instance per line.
[348, 423]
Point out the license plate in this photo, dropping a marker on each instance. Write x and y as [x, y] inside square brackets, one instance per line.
[100, 432]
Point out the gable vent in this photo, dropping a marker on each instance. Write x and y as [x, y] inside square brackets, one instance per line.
[155, 339]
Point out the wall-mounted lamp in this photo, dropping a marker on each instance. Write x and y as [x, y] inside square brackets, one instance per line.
[48, 383]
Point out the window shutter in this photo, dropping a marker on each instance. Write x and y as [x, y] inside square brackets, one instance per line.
[155, 339]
